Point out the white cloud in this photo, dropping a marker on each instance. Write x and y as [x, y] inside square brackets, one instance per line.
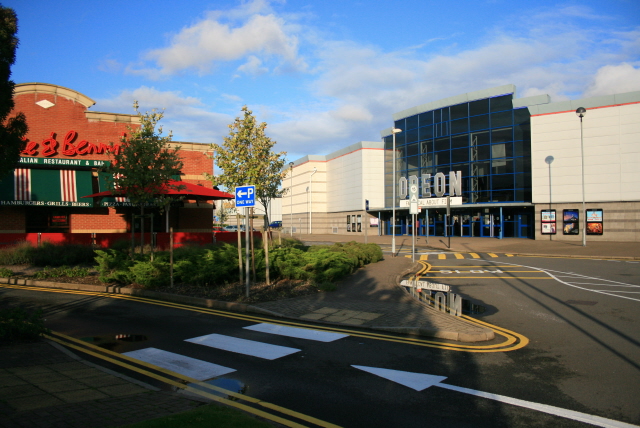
[353, 89]
[186, 117]
[614, 79]
[225, 36]
[253, 67]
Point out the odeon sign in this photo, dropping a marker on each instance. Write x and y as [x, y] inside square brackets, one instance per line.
[449, 302]
[432, 185]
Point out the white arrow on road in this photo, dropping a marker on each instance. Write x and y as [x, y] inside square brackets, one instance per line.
[421, 381]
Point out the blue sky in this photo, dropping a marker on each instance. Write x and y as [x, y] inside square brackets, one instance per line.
[322, 74]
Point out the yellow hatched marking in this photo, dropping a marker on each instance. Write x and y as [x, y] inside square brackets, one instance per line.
[424, 257]
[509, 255]
[459, 256]
[442, 256]
[492, 255]
[474, 255]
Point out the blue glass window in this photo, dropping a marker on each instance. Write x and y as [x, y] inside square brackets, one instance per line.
[459, 126]
[426, 118]
[460, 155]
[479, 107]
[501, 135]
[442, 144]
[479, 122]
[426, 132]
[501, 103]
[459, 111]
[412, 135]
[460, 141]
[412, 122]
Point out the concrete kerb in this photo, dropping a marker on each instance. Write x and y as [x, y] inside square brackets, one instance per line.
[486, 334]
[245, 308]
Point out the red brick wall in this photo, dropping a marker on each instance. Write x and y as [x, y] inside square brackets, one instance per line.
[66, 115]
[12, 219]
[69, 115]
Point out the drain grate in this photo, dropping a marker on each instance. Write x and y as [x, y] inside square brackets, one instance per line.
[581, 302]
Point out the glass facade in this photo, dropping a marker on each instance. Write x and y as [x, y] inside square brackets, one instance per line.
[487, 140]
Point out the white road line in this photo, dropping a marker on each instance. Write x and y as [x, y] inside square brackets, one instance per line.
[621, 291]
[243, 346]
[606, 285]
[557, 278]
[421, 381]
[299, 333]
[187, 366]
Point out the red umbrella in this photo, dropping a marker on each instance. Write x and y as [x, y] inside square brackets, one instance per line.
[187, 190]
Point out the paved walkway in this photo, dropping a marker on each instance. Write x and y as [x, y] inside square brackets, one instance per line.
[43, 385]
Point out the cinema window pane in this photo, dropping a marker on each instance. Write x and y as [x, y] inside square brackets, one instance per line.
[426, 118]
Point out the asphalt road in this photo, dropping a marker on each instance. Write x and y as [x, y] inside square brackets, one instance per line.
[581, 317]
[582, 356]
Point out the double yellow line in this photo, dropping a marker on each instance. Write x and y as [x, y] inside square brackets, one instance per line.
[513, 341]
[187, 383]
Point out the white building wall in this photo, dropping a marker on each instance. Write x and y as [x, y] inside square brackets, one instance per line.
[354, 177]
[611, 136]
[344, 179]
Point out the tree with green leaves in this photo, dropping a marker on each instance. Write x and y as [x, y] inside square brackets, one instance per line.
[246, 158]
[143, 167]
[12, 129]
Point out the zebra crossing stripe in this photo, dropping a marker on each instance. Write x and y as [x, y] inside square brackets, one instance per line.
[184, 365]
[243, 346]
[299, 333]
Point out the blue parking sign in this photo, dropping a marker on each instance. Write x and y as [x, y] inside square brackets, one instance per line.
[245, 196]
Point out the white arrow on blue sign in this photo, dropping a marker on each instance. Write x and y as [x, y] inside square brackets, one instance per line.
[245, 196]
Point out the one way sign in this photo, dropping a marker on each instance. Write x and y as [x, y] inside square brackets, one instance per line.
[245, 196]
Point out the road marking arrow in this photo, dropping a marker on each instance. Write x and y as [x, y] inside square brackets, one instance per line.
[421, 381]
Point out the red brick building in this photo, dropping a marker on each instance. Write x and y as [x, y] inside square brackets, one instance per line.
[66, 145]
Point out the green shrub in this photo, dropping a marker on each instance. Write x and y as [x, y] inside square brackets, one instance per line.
[5, 273]
[215, 264]
[17, 324]
[19, 254]
[48, 254]
[149, 274]
[72, 272]
[113, 266]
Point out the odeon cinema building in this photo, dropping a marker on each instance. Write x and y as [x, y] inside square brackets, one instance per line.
[66, 145]
[507, 167]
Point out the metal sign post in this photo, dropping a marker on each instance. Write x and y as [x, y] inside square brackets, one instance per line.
[446, 225]
[413, 210]
[246, 197]
[246, 244]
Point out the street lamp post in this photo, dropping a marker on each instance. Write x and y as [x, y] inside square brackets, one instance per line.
[394, 131]
[310, 198]
[549, 160]
[291, 199]
[581, 111]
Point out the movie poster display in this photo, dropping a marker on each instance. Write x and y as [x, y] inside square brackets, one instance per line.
[548, 219]
[594, 222]
[570, 222]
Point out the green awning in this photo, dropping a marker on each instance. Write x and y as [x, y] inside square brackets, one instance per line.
[46, 187]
